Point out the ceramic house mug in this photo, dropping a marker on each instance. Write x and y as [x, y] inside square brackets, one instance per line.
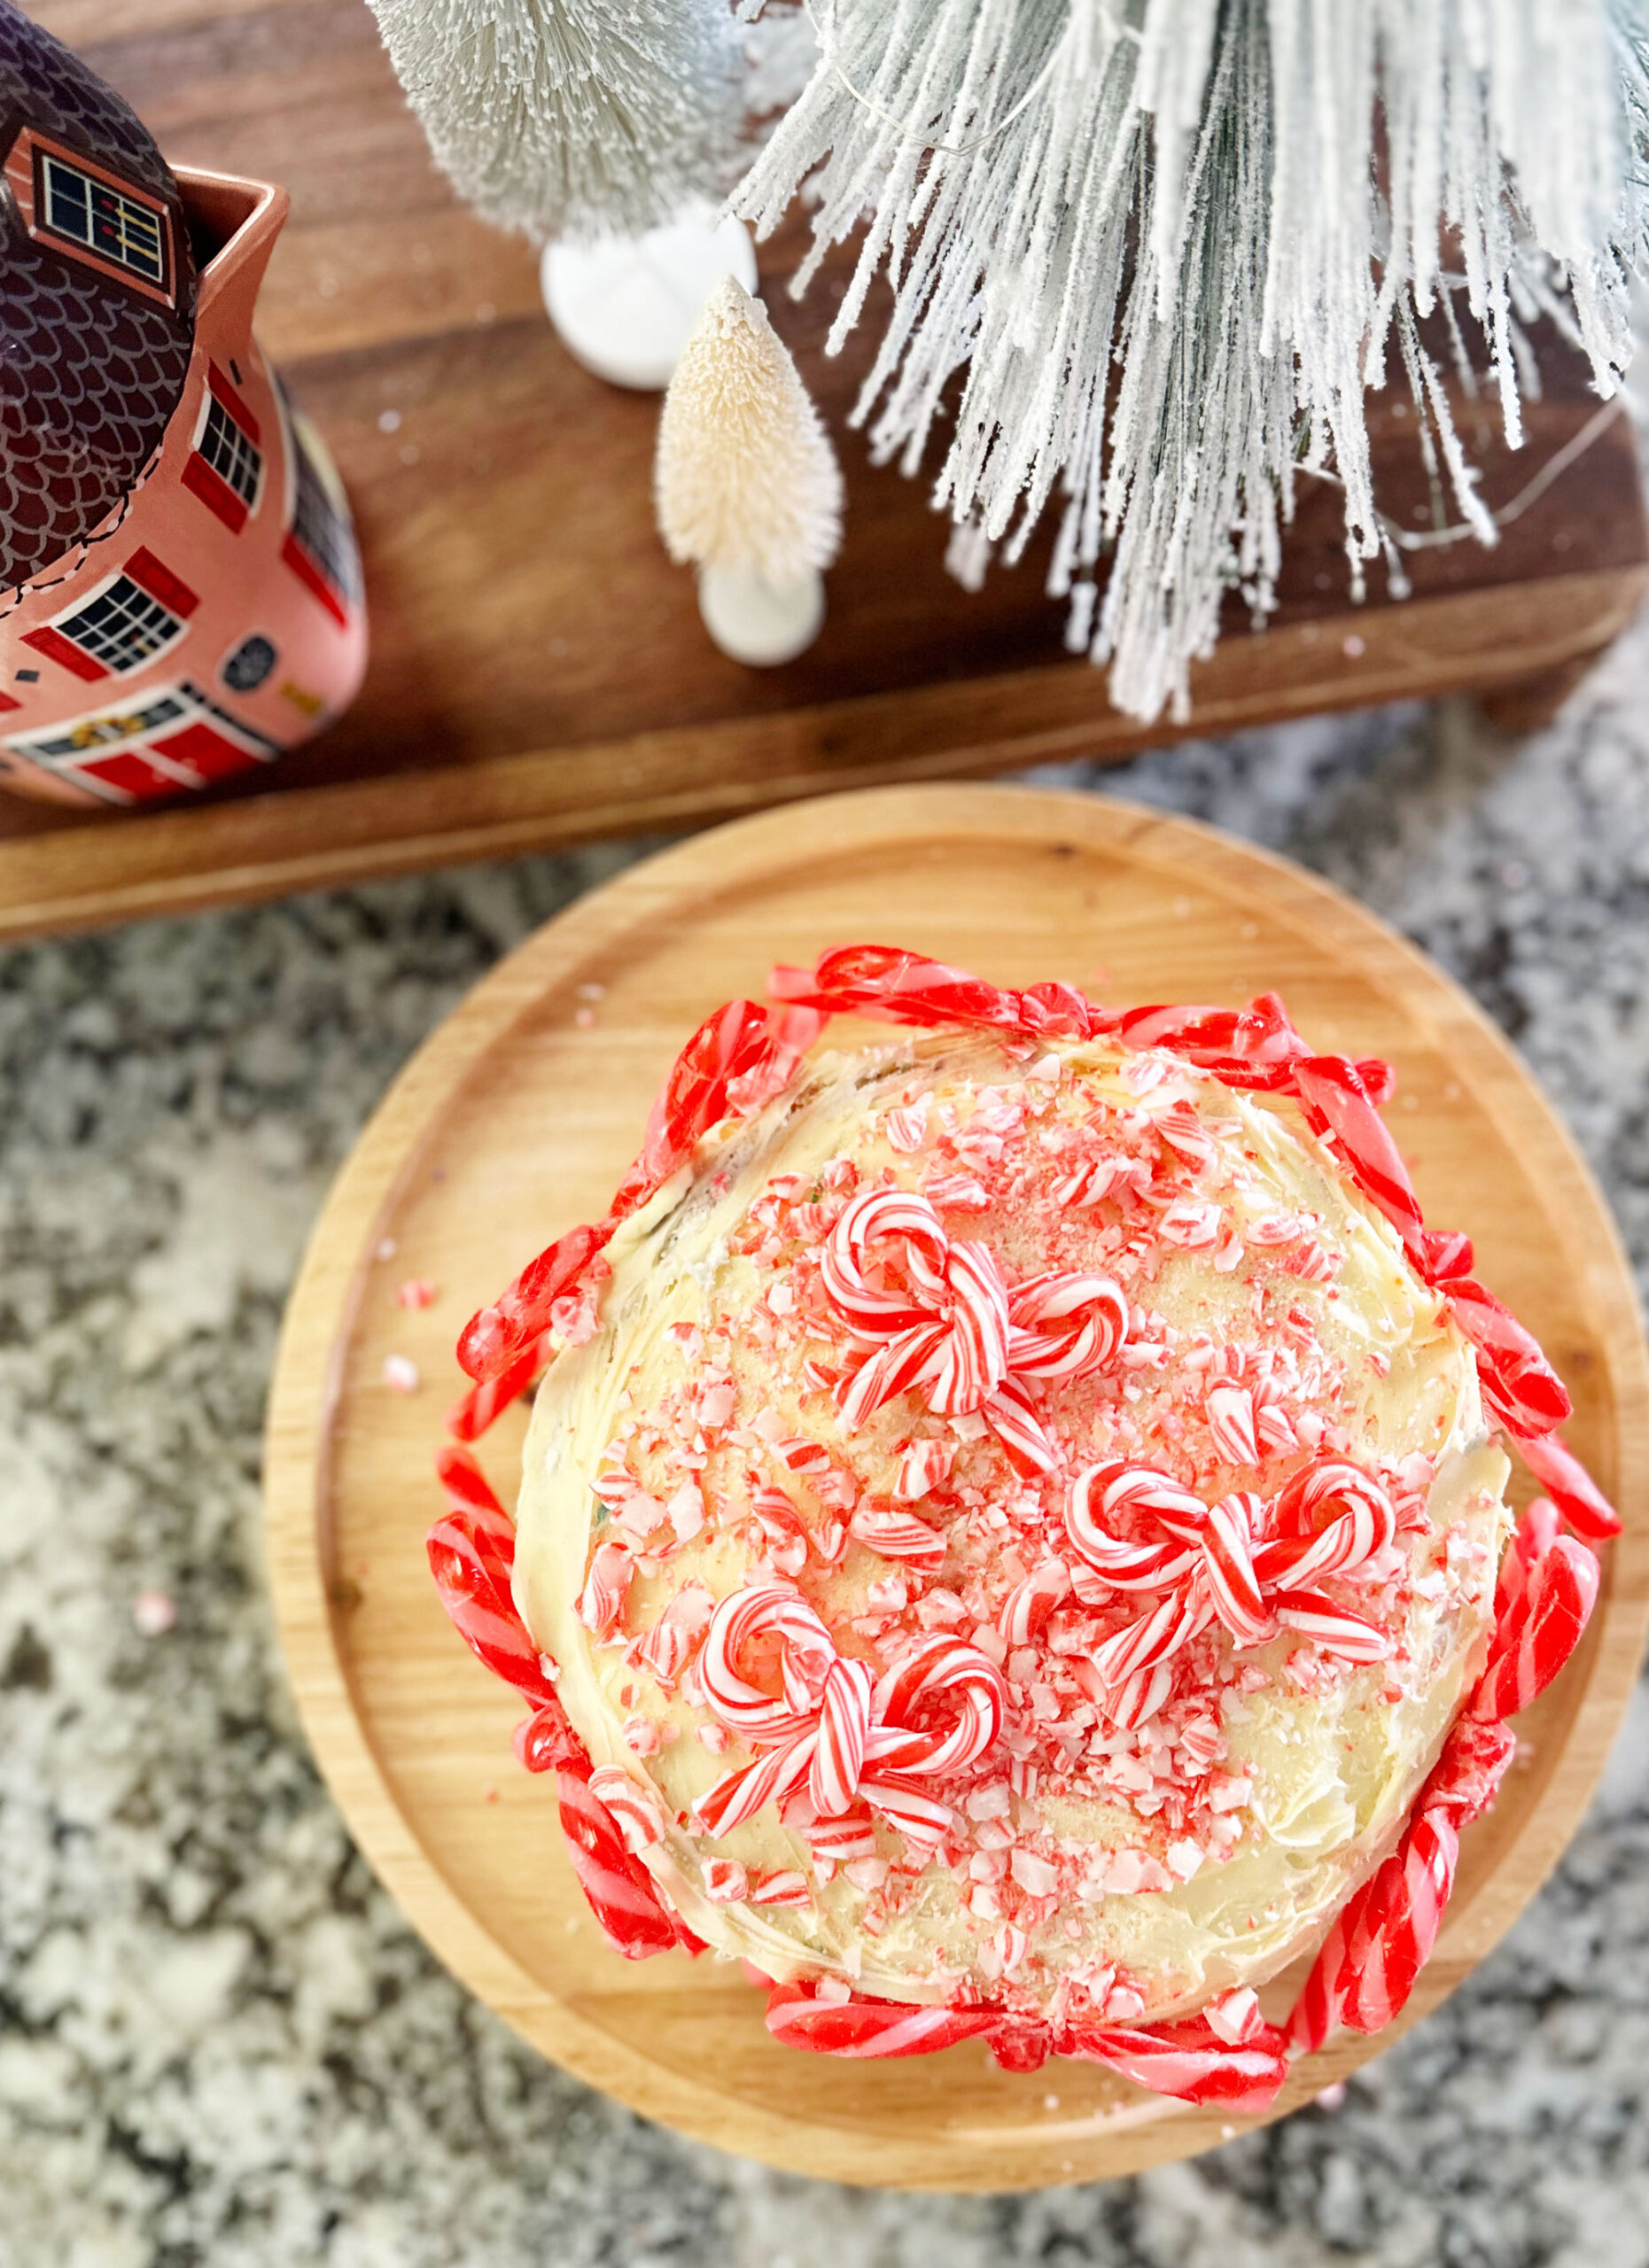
[180, 594]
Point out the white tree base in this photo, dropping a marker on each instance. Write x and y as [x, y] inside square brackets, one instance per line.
[757, 622]
[624, 306]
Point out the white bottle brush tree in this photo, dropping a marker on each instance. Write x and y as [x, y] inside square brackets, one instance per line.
[747, 484]
[572, 117]
[1146, 256]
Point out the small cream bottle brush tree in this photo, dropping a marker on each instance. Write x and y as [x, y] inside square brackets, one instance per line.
[747, 484]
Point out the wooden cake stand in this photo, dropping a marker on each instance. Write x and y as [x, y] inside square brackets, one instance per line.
[539, 674]
[514, 1120]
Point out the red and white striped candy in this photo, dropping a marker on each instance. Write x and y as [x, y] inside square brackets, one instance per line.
[1335, 1628]
[469, 1418]
[1186, 1135]
[739, 1795]
[1012, 1419]
[467, 1489]
[1392, 1925]
[1384, 1934]
[806, 1650]
[843, 1726]
[1228, 1567]
[606, 1587]
[782, 1529]
[1570, 1487]
[939, 1673]
[1540, 1628]
[1235, 2017]
[1023, 1614]
[1331, 1517]
[634, 1809]
[546, 1740]
[618, 1888]
[1476, 1757]
[840, 1840]
[950, 1329]
[1156, 1637]
[833, 1725]
[471, 1564]
[1337, 1100]
[786, 1888]
[1103, 1496]
[1231, 1423]
[1120, 1177]
[1065, 1324]
[897, 1535]
[923, 1821]
[922, 1466]
[668, 1647]
[1138, 1698]
[869, 2028]
[1520, 1386]
[1189, 2061]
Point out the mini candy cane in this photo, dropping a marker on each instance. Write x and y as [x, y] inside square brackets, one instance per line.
[634, 1809]
[1336, 1099]
[470, 1565]
[1204, 1560]
[954, 1330]
[1520, 1386]
[1023, 1614]
[807, 1651]
[1368, 1964]
[618, 1888]
[1065, 1324]
[1570, 1487]
[832, 1723]
[948, 1332]
[844, 1729]
[1333, 1517]
[1102, 1495]
[937, 1671]
[467, 1489]
[469, 1418]
[869, 2028]
[1189, 2060]
[909, 990]
[471, 1552]
[1540, 1629]
[498, 1336]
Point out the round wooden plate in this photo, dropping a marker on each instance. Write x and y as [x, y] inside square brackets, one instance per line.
[515, 1119]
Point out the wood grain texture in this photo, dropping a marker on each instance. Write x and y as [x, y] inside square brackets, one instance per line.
[515, 1119]
[539, 674]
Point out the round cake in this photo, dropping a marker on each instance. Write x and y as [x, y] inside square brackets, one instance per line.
[1019, 1525]
[1011, 1539]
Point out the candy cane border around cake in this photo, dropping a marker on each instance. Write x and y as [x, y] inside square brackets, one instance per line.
[742, 1058]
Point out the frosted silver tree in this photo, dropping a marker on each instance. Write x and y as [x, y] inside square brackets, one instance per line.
[1155, 251]
[572, 117]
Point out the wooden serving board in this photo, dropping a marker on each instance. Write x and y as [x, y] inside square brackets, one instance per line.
[539, 674]
[514, 1120]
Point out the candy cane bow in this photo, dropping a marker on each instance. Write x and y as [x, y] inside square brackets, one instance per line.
[936, 1711]
[937, 1316]
[1250, 1566]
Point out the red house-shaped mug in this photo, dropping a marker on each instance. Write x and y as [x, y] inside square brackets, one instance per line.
[180, 592]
